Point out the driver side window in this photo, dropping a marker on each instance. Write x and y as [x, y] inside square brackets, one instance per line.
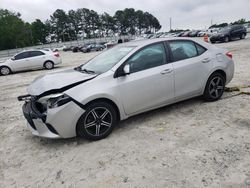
[149, 57]
[22, 55]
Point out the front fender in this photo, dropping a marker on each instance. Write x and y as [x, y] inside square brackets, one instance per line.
[103, 88]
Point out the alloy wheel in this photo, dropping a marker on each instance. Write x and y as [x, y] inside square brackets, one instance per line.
[5, 71]
[98, 121]
[49, 65]
[216, 87]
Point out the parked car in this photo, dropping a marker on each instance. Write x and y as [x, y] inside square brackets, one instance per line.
[186, 34]
[68, 48]
[59, 49]
[92, 47]
[193, 33]
[228, 33]
[130, 78]
[247, 26]
[29, 60]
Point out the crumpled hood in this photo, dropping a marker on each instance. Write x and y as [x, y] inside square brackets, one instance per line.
[58, 81]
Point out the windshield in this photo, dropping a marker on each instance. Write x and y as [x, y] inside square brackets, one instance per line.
[106, 60]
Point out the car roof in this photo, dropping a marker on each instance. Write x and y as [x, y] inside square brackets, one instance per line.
[145, 42]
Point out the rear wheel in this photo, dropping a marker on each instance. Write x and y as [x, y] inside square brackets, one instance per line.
[48, 65]
[215, 87]
[97, 122]
[5, 70]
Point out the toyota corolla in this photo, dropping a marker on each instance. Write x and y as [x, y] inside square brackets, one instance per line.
[130, 78]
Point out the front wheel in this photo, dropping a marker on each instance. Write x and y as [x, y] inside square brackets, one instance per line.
[97, 122]
[214, 88]
[5, 71]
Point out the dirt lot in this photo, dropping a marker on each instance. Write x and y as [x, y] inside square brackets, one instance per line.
[189, 144]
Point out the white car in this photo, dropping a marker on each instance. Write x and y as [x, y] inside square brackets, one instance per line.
[130, 78]
[29, 60]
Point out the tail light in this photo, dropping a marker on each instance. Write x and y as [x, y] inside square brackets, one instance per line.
[230, 55]
[56, 54]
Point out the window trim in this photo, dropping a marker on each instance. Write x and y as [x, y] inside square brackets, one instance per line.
[183, 40]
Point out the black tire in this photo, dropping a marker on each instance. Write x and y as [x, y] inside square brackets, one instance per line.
[243, 36]
[48, 65]
[212, 42]
[4, 70]
[215, 87]
[226, 39]
[92, 120]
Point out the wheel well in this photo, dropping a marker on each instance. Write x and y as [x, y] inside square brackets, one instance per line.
[108, 101]
[222, 73]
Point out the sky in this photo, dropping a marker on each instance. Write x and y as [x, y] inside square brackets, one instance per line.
[185, 14]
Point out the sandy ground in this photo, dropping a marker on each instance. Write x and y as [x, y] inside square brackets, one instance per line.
[189, 144]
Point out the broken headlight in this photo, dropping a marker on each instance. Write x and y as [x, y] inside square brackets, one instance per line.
[58, 100]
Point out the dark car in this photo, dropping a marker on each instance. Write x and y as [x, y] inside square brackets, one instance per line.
[92, 47]
[226, 34]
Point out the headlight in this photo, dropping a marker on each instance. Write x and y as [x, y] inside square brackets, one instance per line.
[58, 100]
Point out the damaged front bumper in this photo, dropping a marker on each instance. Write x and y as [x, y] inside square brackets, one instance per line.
[58, 122]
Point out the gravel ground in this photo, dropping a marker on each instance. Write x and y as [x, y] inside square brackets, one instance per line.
[188, 144]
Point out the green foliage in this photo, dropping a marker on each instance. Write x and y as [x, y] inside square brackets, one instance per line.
[65, 26]
[14, 33]
[218, 25]
[39, 31]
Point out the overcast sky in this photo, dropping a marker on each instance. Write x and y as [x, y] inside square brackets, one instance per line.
[185, 13]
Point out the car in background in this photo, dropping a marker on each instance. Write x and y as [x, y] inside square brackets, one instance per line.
[29, 60]
[131, 78]
[58, 49]
[193, 33]
[92, 47]
[247, 26]
[68, 48]
[226, 34]
[185, 34]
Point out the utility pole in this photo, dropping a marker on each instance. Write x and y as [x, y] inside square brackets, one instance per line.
[170, 24]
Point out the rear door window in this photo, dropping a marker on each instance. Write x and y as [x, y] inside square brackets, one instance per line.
[182, 50]
[35, 53]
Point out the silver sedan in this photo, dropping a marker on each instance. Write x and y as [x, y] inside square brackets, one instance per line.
[131, 78]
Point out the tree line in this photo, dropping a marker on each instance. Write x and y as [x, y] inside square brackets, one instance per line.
[66, 26]
[238, 22]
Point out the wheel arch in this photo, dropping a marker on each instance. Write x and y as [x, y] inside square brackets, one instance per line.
[108, 101]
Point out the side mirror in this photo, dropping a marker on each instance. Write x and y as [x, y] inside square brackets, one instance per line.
[122, 71]
[13, 58]
[126, 69]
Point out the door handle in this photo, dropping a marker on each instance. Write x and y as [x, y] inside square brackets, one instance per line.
[206, 60]
[167, 71]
